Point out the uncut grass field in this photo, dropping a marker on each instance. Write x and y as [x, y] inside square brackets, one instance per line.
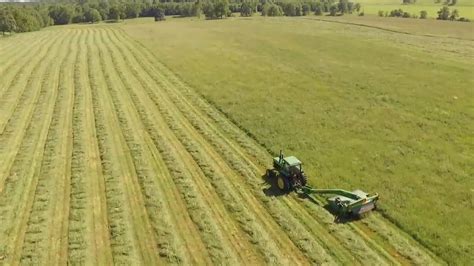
[372, 7]
[384, 106]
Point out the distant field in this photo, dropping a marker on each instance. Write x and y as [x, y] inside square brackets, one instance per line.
[465, 7]
[420, 27]
[381, 107]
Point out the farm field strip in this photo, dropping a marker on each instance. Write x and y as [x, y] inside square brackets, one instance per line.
[169, 93]
[217, 182]
[88, 230]
[44, 243]
[204, 187]
[108, 157]
[18, 198]
[197, 147]
[14, 69]
[238, 135]
[19, 120]
[20, 83]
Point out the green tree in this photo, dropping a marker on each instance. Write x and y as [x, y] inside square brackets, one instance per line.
[132, 10]
[306, 9]
[7, 22]
[292, 9]
[61, 14]
[443, 13]
[246, 9]
[221, 8]
[318, 9]
[93, 15]
[381, 13]
[454, 15]
[197, 9]
[423, 14]
[159, 14]
[357, 7]
[333, 10]
[342, 6]
[208, 10]
[271, 10]
[115, 13]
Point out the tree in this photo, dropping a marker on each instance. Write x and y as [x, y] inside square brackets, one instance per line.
[132, 10]
[306, 9]
[423, 14]
[271, 10]
[7, 22]
[221, 8]
[246, 9]
[159, 14]
[318, 9]
[454, 15]
[216, 9]
[443, 13]
[94, 15]
[357, 7]
[208, 10]
[197, 9]
[333, 10]
[292, 9]
[61, 14]
[342, 6]
[115, 13]
[381, 13]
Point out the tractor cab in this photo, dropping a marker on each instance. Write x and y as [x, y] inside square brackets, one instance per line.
[288, 171]
[290, 164]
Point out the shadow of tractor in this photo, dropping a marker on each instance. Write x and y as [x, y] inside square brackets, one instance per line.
[271, 189]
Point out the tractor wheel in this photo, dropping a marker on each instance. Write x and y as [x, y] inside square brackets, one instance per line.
[270, 173]
[283, 184]
[304, 180]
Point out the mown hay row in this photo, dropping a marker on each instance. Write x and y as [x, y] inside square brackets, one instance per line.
[18, 60]
[157, 211]
[21, 186]
[88, 226]
[118, 167]
[51, 192]
[121, 238]
[193, 193]
[20, 117]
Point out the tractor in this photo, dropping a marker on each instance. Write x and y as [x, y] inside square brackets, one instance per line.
[290, 176]
[289, 173]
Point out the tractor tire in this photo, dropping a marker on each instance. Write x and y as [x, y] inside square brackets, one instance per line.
[304, 180]
[283, 184]
[270, 173]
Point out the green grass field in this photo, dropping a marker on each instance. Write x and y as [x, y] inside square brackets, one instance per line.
[362, 106]
[465, 7]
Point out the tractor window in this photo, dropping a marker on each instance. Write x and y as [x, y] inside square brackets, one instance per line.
[295, 169]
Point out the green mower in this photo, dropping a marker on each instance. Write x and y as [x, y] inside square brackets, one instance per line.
[290, 176]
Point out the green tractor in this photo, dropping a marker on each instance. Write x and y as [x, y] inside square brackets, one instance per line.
[290, 176]
[289, 173]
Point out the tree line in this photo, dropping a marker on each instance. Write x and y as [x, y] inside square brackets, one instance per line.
[32, 17]
[443, 14]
